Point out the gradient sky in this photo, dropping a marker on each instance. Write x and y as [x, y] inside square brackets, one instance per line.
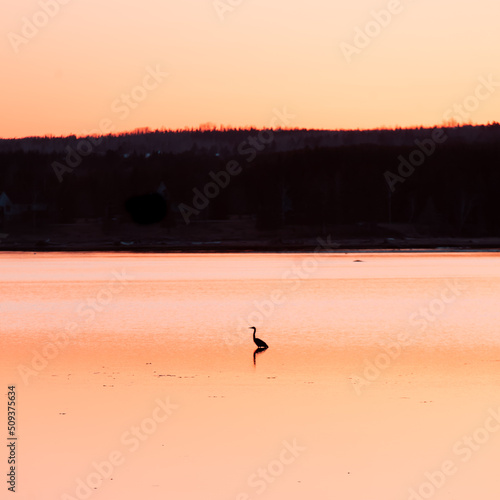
[70, 76]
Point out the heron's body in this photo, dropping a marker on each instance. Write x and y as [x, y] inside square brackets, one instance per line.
[258, 342]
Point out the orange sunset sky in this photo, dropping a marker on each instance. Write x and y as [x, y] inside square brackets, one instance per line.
[73, 66]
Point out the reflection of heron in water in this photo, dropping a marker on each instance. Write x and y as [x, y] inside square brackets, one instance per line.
[257, 351]
[260, 343]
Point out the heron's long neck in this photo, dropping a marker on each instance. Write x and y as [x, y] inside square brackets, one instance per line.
[254, 330]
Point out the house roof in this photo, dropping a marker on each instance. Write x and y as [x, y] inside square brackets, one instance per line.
[4, 199]
[21, 198]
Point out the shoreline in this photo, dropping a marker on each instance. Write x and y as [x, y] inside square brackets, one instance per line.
[416, 245]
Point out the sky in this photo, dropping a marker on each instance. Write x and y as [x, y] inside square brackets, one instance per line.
[80, 66]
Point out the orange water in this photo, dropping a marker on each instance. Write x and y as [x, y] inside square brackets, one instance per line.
[378, 373]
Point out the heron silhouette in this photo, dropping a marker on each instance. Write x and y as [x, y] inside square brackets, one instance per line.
[258, 342]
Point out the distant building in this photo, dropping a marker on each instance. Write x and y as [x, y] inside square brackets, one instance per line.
[5, 206]
[21, 208]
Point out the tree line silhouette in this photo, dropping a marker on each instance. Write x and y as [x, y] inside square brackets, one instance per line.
[454, 192]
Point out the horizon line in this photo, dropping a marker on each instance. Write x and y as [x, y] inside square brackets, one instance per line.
[212, 127]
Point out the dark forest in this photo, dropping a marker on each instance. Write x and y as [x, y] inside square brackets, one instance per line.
[248, 188]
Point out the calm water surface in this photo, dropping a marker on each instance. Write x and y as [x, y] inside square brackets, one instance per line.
[136, 375]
